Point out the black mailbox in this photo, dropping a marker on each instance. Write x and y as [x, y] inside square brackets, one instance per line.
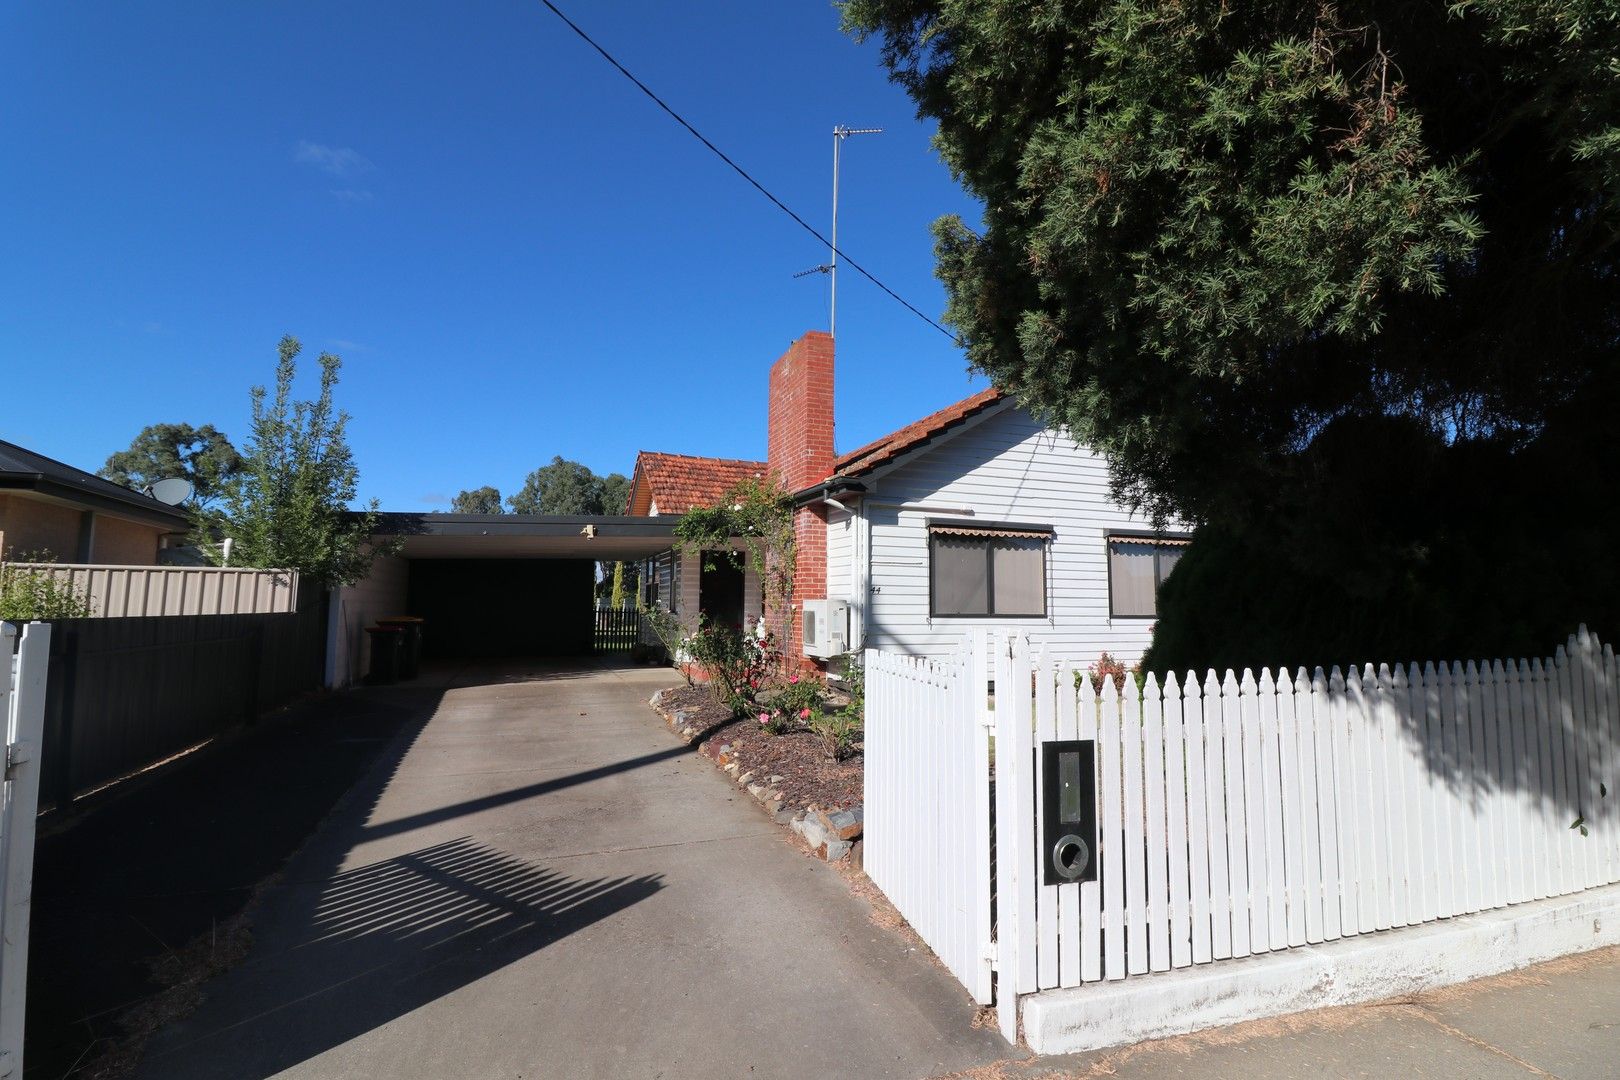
[1069, 818]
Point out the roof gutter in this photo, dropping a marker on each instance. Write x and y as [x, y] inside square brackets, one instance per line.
[828, 491]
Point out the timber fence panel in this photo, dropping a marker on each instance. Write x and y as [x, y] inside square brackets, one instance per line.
[1131, 835]
[1292, 818]
[1177, 770]
[1157, 848]
[1067, 692]
[1091, 895]
[1274, 894]
[1047, 917]
[1199, 881]
[1111, 832]
[1217, 827]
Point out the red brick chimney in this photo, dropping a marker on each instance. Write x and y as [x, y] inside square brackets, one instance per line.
[799, 443]
[799, 449]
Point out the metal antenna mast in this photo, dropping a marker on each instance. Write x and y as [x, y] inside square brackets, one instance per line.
[830, 267]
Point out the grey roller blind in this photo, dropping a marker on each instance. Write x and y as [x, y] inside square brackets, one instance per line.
[1169, 555]
[1132, 577]
[1018, 569]
[961, 585]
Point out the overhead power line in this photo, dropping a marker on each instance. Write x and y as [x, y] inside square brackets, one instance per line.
[742, 172]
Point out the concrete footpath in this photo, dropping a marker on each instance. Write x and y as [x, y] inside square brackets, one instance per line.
[1560, 1019]
[540, 881]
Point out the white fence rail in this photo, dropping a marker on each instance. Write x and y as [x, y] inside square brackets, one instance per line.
[119, 591]
[1242, 815]
[927, 827]
[22, 705]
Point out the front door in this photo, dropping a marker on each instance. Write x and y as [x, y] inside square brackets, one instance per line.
[720, 589]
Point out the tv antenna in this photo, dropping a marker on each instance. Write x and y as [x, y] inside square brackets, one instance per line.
[830, 268]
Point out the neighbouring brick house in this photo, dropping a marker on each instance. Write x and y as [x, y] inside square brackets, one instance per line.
[78, 517]
[975, 516]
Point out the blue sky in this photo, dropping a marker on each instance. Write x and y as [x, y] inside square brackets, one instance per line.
[516, 254]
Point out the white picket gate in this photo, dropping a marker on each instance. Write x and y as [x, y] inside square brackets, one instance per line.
[1236, 815]
[927, 801]
[22, 704]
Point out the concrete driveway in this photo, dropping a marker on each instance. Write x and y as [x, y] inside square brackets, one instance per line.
[540, 881]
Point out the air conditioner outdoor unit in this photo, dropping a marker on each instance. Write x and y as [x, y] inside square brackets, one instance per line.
[824, 626]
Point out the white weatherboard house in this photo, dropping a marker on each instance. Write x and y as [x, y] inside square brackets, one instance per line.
[975, 517]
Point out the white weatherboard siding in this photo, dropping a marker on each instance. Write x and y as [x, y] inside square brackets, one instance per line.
[1004, 468]
[840, 553]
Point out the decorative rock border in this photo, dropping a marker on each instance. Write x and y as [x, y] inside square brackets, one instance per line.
[830, 835]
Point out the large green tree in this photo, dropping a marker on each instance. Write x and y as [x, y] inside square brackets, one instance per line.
[289, 507]
[202, 455]
[484, 500]
[1334, 282]
[568, 487]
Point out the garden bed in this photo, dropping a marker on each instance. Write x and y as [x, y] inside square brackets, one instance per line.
[791, 775]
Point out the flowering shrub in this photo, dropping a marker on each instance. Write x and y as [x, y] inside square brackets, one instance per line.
[1105, 666]
[737, 663]
[796, 704]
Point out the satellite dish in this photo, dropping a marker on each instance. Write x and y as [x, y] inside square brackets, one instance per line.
[172, 491]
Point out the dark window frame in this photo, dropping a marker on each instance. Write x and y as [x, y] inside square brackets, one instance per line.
[1157, 541]
[990, 568]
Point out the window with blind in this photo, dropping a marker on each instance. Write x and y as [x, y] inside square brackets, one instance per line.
[1137, 566]
[983, 570]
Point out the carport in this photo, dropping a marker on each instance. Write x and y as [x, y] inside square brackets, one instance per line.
[489, 585]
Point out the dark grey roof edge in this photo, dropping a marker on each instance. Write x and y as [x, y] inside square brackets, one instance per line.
[431, 524]
[22, 469]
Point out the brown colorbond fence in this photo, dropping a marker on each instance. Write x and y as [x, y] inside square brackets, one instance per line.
[125, 693]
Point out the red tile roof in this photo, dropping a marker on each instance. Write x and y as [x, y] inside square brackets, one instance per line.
[913, 435]
[676, 483]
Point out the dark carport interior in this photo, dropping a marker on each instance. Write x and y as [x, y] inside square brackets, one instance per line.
[510, 585]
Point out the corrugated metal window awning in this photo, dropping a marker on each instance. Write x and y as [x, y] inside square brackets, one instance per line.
[1161, 541]
[990, 530]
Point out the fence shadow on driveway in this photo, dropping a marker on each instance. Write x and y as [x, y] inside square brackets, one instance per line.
[385, 939]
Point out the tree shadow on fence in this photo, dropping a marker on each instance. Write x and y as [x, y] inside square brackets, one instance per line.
[1547, 729]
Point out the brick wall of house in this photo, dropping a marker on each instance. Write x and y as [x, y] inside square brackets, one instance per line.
[125, 543]
[34, 526]
[799, 450]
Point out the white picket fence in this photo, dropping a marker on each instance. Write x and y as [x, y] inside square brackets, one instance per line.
[22, 704]
[927, 803]
[1239, 816]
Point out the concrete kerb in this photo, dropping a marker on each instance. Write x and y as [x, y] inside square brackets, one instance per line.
[829, 835]
[1370, 967]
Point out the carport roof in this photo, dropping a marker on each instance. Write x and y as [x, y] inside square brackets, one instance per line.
[531, 536]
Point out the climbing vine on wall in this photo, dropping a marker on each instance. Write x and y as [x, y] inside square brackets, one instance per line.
[759, 516]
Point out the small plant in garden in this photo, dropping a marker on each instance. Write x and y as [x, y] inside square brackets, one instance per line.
[1104, 666]
[737, 662]
[35, 594]
[796, 704]
[840, 729]
[669, 632]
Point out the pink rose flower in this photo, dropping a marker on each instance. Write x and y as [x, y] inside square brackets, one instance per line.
[793, 678]
[804, 714]
[764, 718]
